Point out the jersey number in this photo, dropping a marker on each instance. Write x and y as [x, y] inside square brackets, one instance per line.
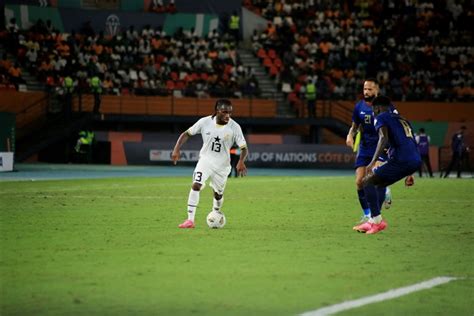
[367, 119]
[198, 176]
[216, 147]
[407, 128]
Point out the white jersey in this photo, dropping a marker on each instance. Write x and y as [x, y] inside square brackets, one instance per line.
[217, 140]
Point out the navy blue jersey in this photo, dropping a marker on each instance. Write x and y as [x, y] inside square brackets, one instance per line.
[423, 144]
[400, 135]
[457, 143]
[363, 116]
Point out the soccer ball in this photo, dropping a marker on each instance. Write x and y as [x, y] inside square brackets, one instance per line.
[215, 219]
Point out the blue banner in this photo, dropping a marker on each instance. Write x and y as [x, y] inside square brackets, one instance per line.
[271, 156]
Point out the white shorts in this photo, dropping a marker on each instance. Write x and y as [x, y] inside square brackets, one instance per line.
[204, 171]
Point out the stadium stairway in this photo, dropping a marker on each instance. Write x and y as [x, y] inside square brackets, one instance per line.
[43, 128]
[268, 86]
[31, 81]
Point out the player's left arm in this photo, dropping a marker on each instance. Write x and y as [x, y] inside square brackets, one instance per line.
[241, 168]
[382, 143]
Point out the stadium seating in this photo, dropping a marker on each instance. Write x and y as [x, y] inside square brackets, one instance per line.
[416, 50]
[146, 63]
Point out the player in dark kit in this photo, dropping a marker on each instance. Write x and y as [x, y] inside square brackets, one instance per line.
[363, 121]
[423, 142]
[459, 148]
[404, 159]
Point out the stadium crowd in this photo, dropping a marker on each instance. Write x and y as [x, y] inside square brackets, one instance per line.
[417, 50]
[147, 61]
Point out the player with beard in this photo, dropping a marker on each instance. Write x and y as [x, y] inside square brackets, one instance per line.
[363, 122]
[219, 132]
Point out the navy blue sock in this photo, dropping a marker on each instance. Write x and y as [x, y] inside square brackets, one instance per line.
[372, 200]
[380, 195]
[363, 202]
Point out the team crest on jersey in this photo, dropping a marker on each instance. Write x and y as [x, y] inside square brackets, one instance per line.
[226, 136]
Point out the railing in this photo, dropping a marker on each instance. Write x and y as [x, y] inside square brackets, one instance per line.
[337, 110]
[158, 105]
[326, 109]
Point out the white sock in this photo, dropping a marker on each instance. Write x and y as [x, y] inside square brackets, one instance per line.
[387, 190]
[193, 201]
[377, 219]
[217, 204]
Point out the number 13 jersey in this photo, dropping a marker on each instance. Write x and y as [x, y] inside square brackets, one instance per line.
[217, 140]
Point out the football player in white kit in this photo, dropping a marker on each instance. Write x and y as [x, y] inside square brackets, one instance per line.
[219, 132]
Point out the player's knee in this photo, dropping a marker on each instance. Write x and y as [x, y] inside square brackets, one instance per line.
[373, 179]
[359, 183]
[196, 186]
[366, 181]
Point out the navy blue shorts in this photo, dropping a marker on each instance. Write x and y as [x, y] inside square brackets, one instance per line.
[364, 160]
[394, 170]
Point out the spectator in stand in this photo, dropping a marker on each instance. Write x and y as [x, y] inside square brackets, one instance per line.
[310, 96]
[108, 85]
[96, 89]
[31, 59]
[5, 64]
[158, 6]
[234, 26]
[12, 27]
[15, 75]
[171, 7]
[69, 85]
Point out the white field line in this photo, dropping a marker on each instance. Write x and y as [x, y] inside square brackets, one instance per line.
[391, 294]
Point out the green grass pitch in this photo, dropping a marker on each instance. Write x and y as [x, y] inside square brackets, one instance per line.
[112, 247]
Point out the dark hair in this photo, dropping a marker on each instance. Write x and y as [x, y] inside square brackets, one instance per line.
[463, 127]
[381, 100]
[371, 79]
[422, 130]
[222, 102]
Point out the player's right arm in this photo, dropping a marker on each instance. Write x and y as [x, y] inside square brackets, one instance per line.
[351, 135]
[183, 138]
